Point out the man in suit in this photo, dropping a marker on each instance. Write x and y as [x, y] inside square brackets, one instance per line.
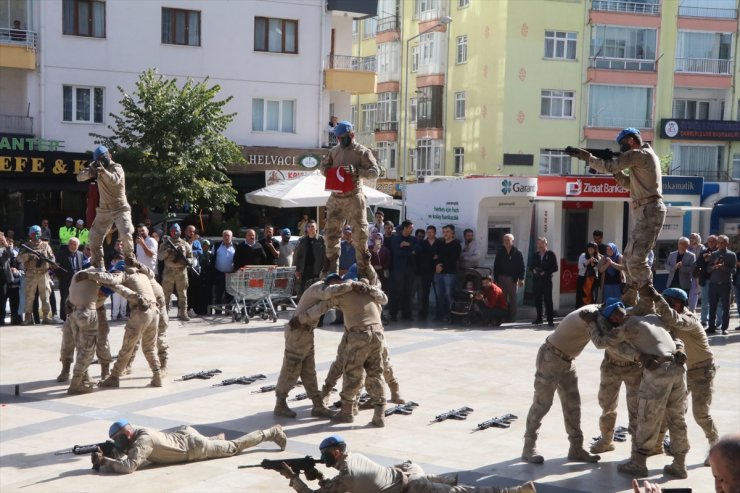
[680, 265]
[70, 259]
[721, 267]
[544, 265]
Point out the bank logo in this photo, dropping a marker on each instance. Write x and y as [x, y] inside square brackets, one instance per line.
[574, 187]
[506, 187]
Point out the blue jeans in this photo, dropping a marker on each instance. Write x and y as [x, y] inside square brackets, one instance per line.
[444, 284]
[705, 306]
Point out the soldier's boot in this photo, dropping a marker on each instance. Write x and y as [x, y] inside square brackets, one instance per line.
[104, 370]
[678, 467]
[577, 453]
[367, 404]
[156, 379]
[529, 452]
[345, 415]
[282, 409]
[112, 381]
[86, 378]
[77, 386]
[379, 416]
[127, 370]
[163, 365]
[450, 481]
[64, 375]
[220, 436]
[629, 297]
[47, 318]
[319, 410]
[182, 314]
[645, 305]
[605, 443]
[527, 487]
[277, 435]
[28, 319]
[396, 393]
[356, 407]
[274, 434]
[635, 466]
[326, 394]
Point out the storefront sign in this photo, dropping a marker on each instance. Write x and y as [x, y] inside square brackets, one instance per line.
[580, 186]
[14, 164]
[683, 185]
[700, 129]
[257, 159]
[276, 175]
[16, 143]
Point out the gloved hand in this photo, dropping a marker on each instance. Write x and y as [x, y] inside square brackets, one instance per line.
[361, 287]
[93, 171]
[294, 323]
[314, 474]
[680, 357]
[142, 303]
[653, 293]
[579, 153]
[286, 471]
[82, 276]
[349, 168]
[97, 457]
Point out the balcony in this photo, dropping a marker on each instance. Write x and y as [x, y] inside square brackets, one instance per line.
[707, 12]
[605, 121]
[623, 64]
[712, 66]
[351, 74]
[386, 127]
[627, 7]
[366, 138]
[18, 48]
[14, 124]
[388, 24]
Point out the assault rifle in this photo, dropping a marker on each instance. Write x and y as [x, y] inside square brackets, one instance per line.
[497, 422]
[461, 413]
[179, 256]
[240, 380]
[203, 375]
[43, 258]
[620, 435]
[107, 447]
[404, 409]
[605, 154]
[297, 465]
[264, 389]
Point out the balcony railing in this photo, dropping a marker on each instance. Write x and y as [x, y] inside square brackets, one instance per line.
[386, 126]
[704, 65]
[707, 12]
[623, 64]
[343, 62]
[366, 138]
[606, 121]
[19, 37]
[14, 124]
[625, 6]
[329, 140]
[388, 24]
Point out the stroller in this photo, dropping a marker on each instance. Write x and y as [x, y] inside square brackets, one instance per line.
[463, 307]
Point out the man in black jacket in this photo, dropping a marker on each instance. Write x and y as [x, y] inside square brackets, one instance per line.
[508, 272]
[544, 265]
[721, 267]
[309, 255]
[70, 259]
[425, 252]
[250, 252]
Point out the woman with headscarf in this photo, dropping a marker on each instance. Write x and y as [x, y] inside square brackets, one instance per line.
[587, 275]
[611, 269]
[380, 259]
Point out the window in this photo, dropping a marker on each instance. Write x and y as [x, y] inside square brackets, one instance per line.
[415, 59]
[273, 115]
[353, 114]
[623, 48]
[715, 9]
[180, 27]
[412, 110]
[368, 117]
[698, 160]
[460, 105]
[83, 18]
[387, 111]
[428, 157]
[554, 162]
[389, 56]
[463, 3]
[354, 29]
[430, 106]
[426, 48]
[428, 9]
[557, 104]
[690, 110]
[387, 157]
[462, 49]
[275, 35]
[620, 106]
[560, 45]
[369, 27]
[82, 104]
[704, 53]
[459, 154]
[735, 167]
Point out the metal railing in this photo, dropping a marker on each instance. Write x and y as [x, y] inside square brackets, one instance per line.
[388, 24]
[330, 139]
[366, 138]
[618, 122]
[709, 175]
[707, 12]
[626, 6]
[16, 124]
[344, 62]
[19, 37]
[387, 126]
[704, 65]
[623, 64]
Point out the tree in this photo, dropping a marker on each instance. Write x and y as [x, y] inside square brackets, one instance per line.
[170, 143]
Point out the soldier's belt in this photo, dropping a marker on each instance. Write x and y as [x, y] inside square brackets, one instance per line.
[367, 328]
[351, 193]
[622, 364]
[702, 364]
[646, 200]
[650, 362]
[557, 352]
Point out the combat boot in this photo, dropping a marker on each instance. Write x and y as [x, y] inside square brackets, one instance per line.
[629, 297]
[603, 444]
[326, 394]
[319, 410]
[635, 467]
[345, 415]
[678, 468]
[282, 409]
[64, 375]
[156, 379]
[77, 386]
[183, 315]
[104, 370]
[277, 435]
[112, 381]
[163, 364]
[527, 487]
[28, 319]
[578, 454]
[529, 452]
[379, 416]
[86, 378]
[396, 394]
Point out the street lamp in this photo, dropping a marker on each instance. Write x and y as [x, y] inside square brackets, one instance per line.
[404, 170]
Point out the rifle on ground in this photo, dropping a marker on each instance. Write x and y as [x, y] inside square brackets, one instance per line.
[107, 447]
[299, 397]
[264, 389]
[43, 258]
[297, 465]
[203, 375]
[240, 380]
[179, 256]
[404, 409]
[461, 413]
[497, 422]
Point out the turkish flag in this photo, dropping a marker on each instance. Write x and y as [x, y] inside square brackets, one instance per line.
[338, 180]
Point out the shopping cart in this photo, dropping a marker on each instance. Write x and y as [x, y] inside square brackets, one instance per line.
[250, 287]
[283, 284]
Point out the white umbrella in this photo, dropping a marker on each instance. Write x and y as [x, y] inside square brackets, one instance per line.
[306, 191]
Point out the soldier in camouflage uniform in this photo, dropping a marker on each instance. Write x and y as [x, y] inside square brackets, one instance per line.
[685, 325]
[364, 350]
[662, 392]
[359, 162]
[175, 276]
[298, 359]
[556, 371]
[37, 275]
[648, 209]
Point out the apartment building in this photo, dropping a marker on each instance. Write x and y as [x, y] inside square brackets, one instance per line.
[287, 65]
[469, 87]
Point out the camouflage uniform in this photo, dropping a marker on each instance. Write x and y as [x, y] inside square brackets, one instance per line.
[175, 276]
[648, 213]
[37, 277]
[350, 207]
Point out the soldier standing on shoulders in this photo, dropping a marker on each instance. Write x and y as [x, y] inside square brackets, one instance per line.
[175, 276]
[37, 275]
